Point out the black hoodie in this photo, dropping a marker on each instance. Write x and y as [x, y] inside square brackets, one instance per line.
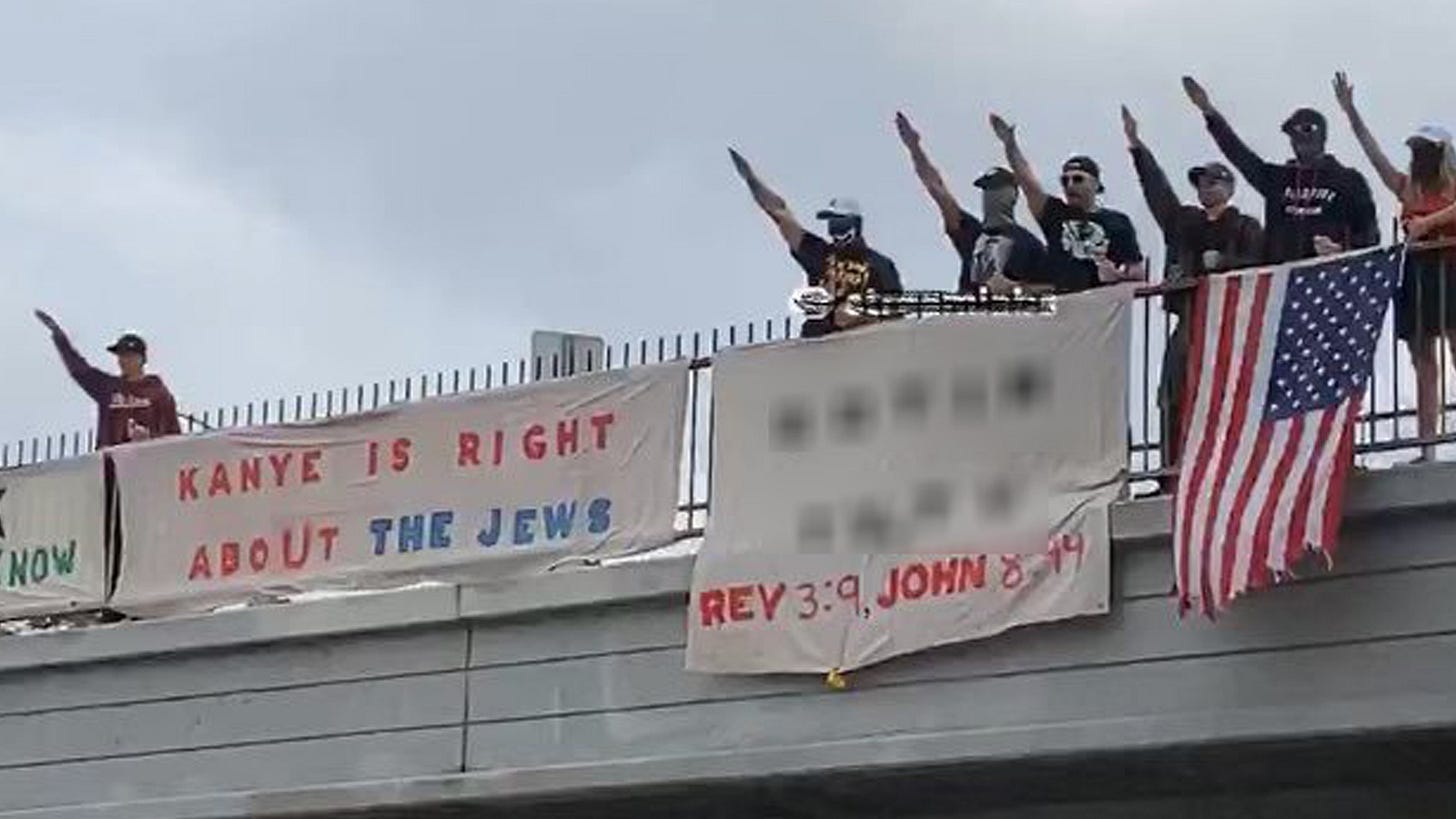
[1300, 203]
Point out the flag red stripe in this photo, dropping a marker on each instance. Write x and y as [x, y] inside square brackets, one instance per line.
[1294, 548]
[1253, 331]
[1192, 388]
[1201, 461]
[1263, 531]
[1241, 503]
[1334, 500]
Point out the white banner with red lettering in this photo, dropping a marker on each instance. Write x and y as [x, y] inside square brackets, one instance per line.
[461, 488]
[910, 485]
[52, 538]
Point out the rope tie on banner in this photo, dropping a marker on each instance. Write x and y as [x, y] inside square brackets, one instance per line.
[836, 680]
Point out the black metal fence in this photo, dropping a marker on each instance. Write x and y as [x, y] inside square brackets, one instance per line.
[1388, 423]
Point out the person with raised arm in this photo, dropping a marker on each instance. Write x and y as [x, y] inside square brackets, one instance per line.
[1425, 306]
[1209, 237]
[844, 265]
[1313, 204]
[132, 406]
[1088, 245]
[995, 251]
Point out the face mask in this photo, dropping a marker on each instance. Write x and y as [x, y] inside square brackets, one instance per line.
[998, 206]
[843, 230]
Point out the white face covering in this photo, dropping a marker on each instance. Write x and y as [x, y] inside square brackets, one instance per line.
[998, 206]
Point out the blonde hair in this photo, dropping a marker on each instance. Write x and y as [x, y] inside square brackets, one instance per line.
[1445, 182]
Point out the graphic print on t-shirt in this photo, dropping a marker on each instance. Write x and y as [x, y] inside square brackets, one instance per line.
[843, 276]
[1083, 239]
[990, 257]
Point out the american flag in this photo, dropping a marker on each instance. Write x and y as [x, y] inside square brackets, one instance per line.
[1277, 366]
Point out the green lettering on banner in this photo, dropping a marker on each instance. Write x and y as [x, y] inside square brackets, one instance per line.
[19, 567]
[34, 566]
[64, 562]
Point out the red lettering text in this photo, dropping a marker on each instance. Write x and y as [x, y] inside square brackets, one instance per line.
[943, 576]
[258, 554]
[534, 443]
[771, 597]
[1011, 572]
[187, 484]
[566, 437]
[280, 462]
[250, 475]
[328, 534]
[400, 455]
[973, 573]
[467, 453]
[600, 422]
[710, 607]
[915, 581]
[310, 466]
[201, 567]
[740, 600]
[220, 485]
[228, 559]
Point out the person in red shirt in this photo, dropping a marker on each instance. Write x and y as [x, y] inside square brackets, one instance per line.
[133, 406]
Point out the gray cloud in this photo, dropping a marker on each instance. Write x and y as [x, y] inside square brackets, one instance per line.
[289, 195]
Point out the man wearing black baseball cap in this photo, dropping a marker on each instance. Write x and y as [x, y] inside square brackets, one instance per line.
[996, 253]
[1313, 204]
[844, 265]
[1209, 237]
[130, 407]
[1087, 245]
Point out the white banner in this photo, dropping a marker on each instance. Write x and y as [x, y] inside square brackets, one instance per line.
[52, 538]
[460, 488]
[910, 485]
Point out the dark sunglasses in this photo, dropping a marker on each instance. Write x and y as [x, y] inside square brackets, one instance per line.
[1075, 178]
[1304, 128]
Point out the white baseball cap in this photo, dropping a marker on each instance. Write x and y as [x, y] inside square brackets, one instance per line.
[1432, 133]
[840, 206]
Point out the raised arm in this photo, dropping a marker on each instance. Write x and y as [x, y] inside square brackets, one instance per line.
[1158, 192]
[87, 377]
[1036, 197]
[1422, 227]
[950, 209]
[771, 203]
[1251, 165]
[1389, 174]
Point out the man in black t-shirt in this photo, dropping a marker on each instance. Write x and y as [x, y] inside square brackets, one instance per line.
[843, 265]
[997, 253]
[1087, 245]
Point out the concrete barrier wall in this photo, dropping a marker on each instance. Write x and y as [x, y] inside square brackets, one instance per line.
[570, 683]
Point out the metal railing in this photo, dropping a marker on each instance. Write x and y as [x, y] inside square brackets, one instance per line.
[1387, 424]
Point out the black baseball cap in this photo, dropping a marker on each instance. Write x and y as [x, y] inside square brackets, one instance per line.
[1305, 119]
[1085, 164]
[1214, 170]
[129, 343]
[996, 177]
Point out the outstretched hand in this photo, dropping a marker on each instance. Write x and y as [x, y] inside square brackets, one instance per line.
[1344, 91]
[1197, 95]
[50, 323]
[1005, 131]
[741, 165]
[1130, 128]
[908, 134]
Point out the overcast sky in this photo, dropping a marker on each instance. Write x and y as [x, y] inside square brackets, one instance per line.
[296, 194]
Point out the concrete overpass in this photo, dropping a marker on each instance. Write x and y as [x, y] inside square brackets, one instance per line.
[565, 695]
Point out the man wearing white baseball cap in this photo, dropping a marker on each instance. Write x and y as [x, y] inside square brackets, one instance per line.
[1425, 306]
[844, 265]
